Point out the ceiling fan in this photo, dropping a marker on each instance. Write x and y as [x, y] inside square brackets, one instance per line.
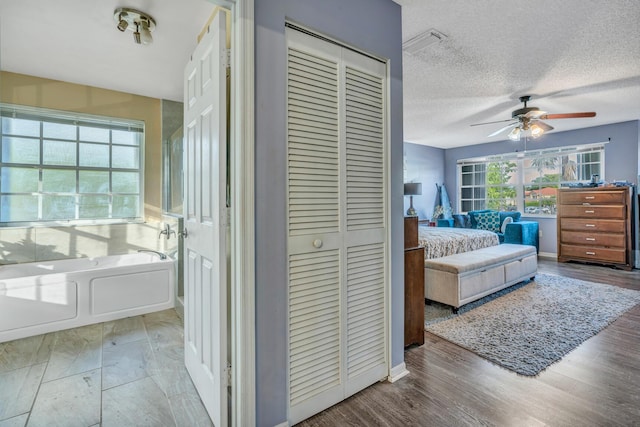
[530, 119]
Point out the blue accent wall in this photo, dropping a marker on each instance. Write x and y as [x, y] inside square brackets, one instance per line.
[374, 26]
[425, 165]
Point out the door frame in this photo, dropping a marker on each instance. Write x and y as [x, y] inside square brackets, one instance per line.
[242, 217]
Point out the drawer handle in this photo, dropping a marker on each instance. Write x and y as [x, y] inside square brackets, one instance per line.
[589, 211]
[589, 197]
[589, 225]
[590, 253]
[591, 239]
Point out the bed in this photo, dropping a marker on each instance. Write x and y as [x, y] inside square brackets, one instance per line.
[443, 241]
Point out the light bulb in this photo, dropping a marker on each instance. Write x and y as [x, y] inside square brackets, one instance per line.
[536, 131]
[145, 34]
[122, 24]
[514, 135]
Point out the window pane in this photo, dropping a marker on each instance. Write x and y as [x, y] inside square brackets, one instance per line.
[22, 127]
[58, 207]
[478, 204]
[58, 181]
[52, 168]
[125, 137]
[94, 182]
[126, 182]
[125, 157]
[467, 193]
[467, 206]
[19, 180]
[59, 153]
[58, 131]
[18, 208]
[20, 150]
[125, 206]
[467, 179]
[93, 207]
[94, 155]
[467, 168]
[91, 134]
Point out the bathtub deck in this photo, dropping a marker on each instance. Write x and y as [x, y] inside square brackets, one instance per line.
[119, 373]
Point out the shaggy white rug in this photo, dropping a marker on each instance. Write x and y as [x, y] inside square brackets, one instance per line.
[529, 328]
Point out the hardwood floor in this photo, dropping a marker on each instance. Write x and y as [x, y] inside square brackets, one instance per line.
[597, 384]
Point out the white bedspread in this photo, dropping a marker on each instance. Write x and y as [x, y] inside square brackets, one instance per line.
[443, 241]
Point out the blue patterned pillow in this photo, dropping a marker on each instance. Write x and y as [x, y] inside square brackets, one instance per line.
[488, 221]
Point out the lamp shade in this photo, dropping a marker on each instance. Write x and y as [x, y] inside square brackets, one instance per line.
[413, 189]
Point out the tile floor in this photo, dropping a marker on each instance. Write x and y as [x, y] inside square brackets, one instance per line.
[128, 372]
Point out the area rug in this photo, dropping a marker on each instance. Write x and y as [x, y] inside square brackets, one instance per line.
[528, 327]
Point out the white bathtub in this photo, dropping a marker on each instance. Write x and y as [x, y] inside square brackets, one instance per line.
[41, 297]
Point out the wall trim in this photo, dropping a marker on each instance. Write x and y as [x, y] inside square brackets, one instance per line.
[548, 255]
[243, 333]
[397, 372]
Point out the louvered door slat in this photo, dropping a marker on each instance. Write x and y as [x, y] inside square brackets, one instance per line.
[365, 307]
[364, 150]
[313, 322]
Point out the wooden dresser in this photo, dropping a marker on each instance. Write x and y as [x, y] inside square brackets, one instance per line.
[594, 225]
[413, 284]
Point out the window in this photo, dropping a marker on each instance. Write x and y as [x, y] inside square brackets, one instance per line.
[61, 167]
[527, 182]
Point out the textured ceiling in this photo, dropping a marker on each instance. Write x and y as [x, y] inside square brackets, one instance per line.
[77, 41]
[570, 55]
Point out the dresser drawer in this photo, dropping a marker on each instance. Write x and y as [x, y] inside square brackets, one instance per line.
[593, 197]
[593, 239]
[576, 211]
[602, 225]
[596, 254]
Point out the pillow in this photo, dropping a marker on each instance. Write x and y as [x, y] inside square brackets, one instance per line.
[507, 220]
[488, 221]
[473, 215]
[513, 214]
[461, 221]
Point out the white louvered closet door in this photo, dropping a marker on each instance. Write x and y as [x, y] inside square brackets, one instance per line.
[336, 223]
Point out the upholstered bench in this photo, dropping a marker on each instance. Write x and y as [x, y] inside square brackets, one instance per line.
[459, 279]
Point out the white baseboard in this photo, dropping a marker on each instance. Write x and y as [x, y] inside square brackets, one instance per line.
[397, 372]
[548, 255]
[284, 424]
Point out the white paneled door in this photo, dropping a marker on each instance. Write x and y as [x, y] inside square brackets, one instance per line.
[205, 304]
[337, 224]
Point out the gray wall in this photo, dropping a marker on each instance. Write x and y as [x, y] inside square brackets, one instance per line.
[622, 162]
[375, 27]
[425, 165]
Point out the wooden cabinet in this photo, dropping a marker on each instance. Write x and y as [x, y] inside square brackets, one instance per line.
[413, 284]
[594, 224]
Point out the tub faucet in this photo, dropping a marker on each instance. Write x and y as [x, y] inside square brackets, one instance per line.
[167, 231]
[160, 254]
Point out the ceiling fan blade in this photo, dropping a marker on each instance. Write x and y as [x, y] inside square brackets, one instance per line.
[490, 123]
[568, 115]
[509, 126]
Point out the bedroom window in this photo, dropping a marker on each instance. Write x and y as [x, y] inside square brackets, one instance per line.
[527, 182]
[60, 167]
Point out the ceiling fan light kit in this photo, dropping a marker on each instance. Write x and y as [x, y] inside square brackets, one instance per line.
[530, 119]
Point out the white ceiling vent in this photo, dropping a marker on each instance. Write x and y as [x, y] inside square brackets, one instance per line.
[419, 43]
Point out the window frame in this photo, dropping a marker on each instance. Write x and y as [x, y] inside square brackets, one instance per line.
[519, 173]
[80, 121]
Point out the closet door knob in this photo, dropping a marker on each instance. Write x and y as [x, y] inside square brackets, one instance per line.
[317, 243]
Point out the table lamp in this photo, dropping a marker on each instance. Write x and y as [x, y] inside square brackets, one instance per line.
[412, 189]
